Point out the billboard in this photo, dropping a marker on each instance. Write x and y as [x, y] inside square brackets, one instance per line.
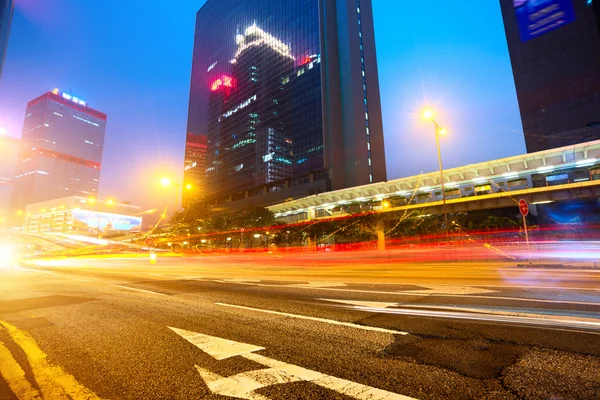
[106, 222]
[536, 17]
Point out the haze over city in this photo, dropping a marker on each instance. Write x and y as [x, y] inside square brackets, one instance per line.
[299, 199]
[136, 68]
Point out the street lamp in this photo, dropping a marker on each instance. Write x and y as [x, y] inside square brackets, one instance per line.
[428, 114]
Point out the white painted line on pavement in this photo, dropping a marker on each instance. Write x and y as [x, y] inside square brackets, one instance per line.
[317, 319]
[138, 290]
[546, 322]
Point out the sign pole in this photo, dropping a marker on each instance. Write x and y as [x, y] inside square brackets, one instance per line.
[524, 209]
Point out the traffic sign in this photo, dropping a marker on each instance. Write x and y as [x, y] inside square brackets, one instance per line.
[149, 242]
[523, 207]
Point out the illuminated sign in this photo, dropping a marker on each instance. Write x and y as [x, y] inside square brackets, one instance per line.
[239, 107]
[537, 17]
[67, 96]
[223, 81]
[85, 219]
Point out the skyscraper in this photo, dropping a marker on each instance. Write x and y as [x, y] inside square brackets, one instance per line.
[61, 152]
[6, 14]
[287, 95]
[554, 47]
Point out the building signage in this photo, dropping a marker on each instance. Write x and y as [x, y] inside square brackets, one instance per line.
[69, 97]
[85, 219]
[537, 17]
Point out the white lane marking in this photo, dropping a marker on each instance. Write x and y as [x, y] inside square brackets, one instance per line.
[514, 312]
[317, 284]
[450, 289]
[466, 296]
[218, 348]
[138, 290]
[547, 322]
[370, 304]
[245, 385]
[317, 319]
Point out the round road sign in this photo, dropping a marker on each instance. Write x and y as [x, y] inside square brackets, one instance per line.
[149, 242]
[523, 207]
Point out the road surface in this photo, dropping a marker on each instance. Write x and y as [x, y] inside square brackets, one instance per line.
[296, 327]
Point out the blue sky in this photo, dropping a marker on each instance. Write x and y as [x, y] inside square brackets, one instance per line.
[132, 60]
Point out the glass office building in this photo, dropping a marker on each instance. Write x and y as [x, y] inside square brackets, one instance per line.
[287, 96]
[6, 14]
[61, 150]
[554, 47]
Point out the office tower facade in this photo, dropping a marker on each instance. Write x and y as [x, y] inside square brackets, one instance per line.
[287, 95]
[6, 14]
[61, 152]
[554, 47]
[195, 165]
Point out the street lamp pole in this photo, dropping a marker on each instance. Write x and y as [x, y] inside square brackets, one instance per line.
[439, 131]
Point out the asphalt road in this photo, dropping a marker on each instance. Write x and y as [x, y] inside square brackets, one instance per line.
[297, 327]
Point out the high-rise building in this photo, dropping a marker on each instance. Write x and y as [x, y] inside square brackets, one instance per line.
[195, 165]
[554, 47]
[9, 148]
[61, 152]
[6, 14]
[287, 95]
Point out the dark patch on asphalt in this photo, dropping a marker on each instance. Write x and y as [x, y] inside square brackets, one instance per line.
[20, 357]
[32, 323]
[442, 328]
[475, 358]
[300, 391]
[380, 287]
[173, 287]
[14, 306]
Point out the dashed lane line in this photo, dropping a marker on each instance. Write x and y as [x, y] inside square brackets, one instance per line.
[139, 290]
[317, 319]
[417, 294]
[54, 383]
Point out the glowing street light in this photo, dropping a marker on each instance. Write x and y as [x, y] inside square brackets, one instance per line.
[165, 181]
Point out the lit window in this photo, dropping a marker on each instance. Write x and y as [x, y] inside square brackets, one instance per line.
[366, 116]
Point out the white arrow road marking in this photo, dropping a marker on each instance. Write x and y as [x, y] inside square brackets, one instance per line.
[218, 348]
[328, 321]
[449, 289]
[369, 304]
[245, 385]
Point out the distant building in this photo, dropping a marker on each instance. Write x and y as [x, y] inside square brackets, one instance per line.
[287, 94]
[9, 148]
[61, 152]
[6, 14]
[80, 215]
[554, 47]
